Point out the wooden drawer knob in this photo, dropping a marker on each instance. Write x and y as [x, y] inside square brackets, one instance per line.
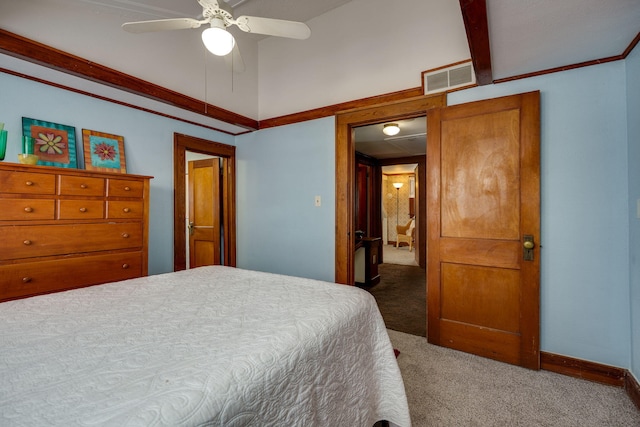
[126, 210]
[125, 266]
[125, 235]
[83, 209]
[26, 279]
[28, 183]
[27, 242]
[28, 209]
[83, 186]
[127, 189]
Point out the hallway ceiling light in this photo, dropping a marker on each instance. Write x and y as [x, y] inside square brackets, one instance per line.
[391, 129]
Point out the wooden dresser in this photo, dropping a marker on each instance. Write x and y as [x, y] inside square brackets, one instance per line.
[67, 228]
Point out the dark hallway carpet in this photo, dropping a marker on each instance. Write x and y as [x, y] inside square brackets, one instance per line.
[401, 297]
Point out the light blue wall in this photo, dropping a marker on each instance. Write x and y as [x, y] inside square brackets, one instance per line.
[585, 226]
[148, 141]
[584, 209]
[280, 171]
[633, 119]
[589, 174]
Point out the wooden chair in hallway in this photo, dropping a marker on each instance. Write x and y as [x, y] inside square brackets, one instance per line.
[405, 233]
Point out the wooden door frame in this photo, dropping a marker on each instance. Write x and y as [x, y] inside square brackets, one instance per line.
[374, 186]
[346, 121]
[181, 144]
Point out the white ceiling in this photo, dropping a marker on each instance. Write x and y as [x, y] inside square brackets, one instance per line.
[533, 35]
[526, 36]
[410, 141]
[293, 10]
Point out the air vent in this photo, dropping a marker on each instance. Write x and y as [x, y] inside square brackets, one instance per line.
[451, 77]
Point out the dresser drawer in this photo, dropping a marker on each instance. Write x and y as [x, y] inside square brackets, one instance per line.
[81, 186]
[31, 278]
[125, 188]
[27, 183]
[30, 241]
[80, 209]
[26, 209]
[118, 209]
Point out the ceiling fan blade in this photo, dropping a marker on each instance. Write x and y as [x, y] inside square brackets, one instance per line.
[161, 25]
[234, 60]
[273, 27]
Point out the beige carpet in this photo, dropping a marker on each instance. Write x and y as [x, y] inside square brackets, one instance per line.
[449, 388]
[401, 255]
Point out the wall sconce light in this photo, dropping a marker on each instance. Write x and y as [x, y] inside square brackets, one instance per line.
[217, 39]
[391, 129]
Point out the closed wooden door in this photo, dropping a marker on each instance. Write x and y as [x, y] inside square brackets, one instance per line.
[204, 212]
[483, 210]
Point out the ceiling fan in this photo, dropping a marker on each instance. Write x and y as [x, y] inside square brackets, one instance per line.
[216, 38]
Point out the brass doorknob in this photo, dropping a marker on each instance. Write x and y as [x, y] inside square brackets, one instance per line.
[528, 244]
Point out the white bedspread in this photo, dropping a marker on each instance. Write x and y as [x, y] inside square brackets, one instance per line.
[209, 346]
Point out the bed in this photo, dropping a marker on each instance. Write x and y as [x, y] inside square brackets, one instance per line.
[215, 346]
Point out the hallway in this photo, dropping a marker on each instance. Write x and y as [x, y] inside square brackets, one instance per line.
[401, 293]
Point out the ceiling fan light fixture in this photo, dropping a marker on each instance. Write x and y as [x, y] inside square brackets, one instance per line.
[391, 129]
[217, 39]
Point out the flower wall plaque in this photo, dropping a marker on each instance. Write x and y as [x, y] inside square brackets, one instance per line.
[103, 152]
[53, 143]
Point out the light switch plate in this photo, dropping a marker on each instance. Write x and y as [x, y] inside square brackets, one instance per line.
[318, 201]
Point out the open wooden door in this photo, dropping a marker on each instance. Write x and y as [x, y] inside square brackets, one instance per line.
[483, 210]
[204, 212]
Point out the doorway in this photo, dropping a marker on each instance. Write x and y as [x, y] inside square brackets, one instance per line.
[346, 123]
[483, 186]
[184, 144]
[204, 216]
[400, 219]
[392, 217]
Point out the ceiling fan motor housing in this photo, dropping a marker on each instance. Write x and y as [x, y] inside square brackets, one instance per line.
[212, 10]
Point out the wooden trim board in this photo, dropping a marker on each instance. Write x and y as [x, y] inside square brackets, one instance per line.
[632, 387]
[579, 368]
[592, 371]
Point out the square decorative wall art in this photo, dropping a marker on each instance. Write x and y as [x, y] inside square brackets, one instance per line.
[54, 144]
[103, 152]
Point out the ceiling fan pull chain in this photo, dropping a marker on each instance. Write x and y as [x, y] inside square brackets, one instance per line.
[206, 79]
